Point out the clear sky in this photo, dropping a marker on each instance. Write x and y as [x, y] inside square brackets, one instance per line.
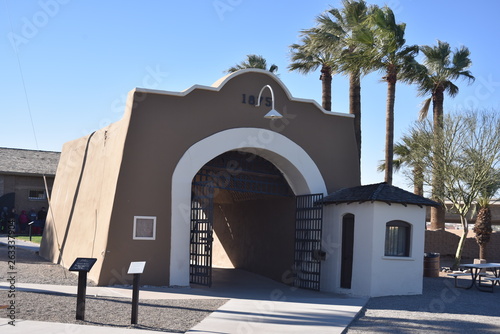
[79, 59]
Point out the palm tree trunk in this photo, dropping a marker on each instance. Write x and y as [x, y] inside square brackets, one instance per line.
[418, 182]
[326, 86]
[355, 108]
[483, 230]
[482, 251]
[389, 127]
[437, 213]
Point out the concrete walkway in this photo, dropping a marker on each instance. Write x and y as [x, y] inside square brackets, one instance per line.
[256, 305]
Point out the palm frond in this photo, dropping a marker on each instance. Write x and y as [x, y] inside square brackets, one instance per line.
[443, 66]
[461, 58]
[253, 61]
[312, 53]
[422, 114]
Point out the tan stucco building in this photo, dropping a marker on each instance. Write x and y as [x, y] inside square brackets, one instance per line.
[194, 179]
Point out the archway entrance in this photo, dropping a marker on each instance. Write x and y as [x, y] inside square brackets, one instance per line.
[245, 215]
[296, 166]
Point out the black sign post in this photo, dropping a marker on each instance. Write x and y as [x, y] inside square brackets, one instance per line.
[83, 266]
[29, 224]
[136, 269]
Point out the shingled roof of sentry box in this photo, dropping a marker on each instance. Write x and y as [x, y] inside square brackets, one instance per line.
[378, 192]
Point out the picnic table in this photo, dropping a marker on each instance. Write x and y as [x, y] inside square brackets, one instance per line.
[477, 272]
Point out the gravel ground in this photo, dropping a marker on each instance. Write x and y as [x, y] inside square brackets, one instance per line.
[176, 316]
[31, 268]
[441, 308]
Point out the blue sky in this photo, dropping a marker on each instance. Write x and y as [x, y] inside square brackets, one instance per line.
[79, 59]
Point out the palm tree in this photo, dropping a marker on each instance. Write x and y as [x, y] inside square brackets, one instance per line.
[309, 56]
[402, 153]
[482, 226]
[442, 67]
[337, 27]
[253, 61]
[385, 40]
[411, 153]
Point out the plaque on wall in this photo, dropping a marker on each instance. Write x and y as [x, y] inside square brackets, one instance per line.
[144, 228]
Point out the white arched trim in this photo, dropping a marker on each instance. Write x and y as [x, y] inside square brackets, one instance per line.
[296, 165]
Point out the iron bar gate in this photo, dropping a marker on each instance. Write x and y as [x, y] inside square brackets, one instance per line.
[200, 255]
[308, 254]
[244, 176]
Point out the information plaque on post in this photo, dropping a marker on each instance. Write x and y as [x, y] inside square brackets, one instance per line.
[136, 269]
[83, 266]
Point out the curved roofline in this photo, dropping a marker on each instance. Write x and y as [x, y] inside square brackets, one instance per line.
[217, 86]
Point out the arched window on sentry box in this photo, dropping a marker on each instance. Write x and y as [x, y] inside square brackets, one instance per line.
[397, 238]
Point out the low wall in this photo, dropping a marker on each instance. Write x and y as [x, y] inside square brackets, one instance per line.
[455, 218]
[446, 243]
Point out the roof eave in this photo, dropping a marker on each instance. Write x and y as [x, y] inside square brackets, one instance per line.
[405, 204]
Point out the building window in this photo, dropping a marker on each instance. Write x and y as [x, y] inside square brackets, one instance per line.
[37, 195]
[144, 228]
[397, 239]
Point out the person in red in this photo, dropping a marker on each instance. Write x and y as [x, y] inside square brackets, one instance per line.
[23, 221]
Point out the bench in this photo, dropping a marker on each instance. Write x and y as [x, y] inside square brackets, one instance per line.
[456, 275]
[494, 281]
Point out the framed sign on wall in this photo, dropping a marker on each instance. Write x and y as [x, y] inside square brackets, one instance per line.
[144, 228]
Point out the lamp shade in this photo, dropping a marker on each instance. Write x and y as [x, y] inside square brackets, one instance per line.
[273, 114]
